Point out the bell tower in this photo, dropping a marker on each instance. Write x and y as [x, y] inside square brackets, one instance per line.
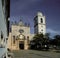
[39, 24]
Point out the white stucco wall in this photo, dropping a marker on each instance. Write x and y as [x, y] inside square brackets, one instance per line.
[3, 29]
[40, 27]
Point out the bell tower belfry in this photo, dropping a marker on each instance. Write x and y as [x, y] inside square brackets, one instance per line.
[39, 24]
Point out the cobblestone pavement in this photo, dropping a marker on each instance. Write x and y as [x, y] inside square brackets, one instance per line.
[35, 54]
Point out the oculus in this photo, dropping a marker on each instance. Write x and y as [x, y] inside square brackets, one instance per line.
[21, 30]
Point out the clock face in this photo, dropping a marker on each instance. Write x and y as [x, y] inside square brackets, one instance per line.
[21, 30]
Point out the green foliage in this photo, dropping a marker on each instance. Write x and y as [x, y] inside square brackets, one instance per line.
[40, 40]
[57, 39]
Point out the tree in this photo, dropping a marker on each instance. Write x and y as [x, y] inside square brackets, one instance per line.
[37, 41]
[47, 38]
[40, 40]
[57, 39]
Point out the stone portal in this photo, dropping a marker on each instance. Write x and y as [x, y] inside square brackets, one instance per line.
[21, 45]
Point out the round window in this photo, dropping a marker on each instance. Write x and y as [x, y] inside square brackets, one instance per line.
[21, 30]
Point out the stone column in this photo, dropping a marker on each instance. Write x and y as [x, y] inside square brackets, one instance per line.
[25, 45]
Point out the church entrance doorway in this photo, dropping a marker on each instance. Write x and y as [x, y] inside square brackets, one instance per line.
[21, 45]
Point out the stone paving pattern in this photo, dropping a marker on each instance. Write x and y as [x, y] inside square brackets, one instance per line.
[35, 54]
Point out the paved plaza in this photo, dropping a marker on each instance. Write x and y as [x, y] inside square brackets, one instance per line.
[35, 54]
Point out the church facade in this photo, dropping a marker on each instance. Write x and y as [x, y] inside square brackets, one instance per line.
[20, 36]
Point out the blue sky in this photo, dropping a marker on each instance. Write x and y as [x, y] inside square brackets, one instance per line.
[27, 9]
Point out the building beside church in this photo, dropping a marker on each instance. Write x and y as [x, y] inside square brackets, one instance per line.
[20, 36]
[4, 26]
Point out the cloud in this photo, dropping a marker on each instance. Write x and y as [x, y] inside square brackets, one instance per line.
[53, 31]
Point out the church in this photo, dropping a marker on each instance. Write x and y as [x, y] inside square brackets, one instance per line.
[20, 36]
